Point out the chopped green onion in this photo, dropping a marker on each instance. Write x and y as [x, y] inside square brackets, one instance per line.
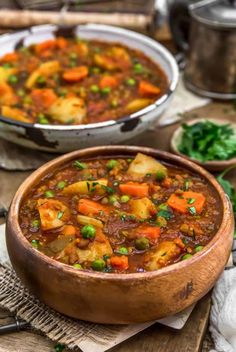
[98, 265]
[49, 194]
[79, 165]
[88, 231]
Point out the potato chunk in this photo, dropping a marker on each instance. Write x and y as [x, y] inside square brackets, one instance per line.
[87, 187]
[97, 249]
[161, 255]
[65, 109]
[142, 208]
[15, 114]
[46, 69]
[144, 164]
[53, 213]
[137, 104]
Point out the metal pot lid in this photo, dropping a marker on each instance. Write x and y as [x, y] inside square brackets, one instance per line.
[215, 13]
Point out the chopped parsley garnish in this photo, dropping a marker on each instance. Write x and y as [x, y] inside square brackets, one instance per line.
[79, 165]
[192, 210]
[206, 140]
[60, 214]
[186, 185]
[123, 217]
[166, 214]
[191, 200]
[108, 189]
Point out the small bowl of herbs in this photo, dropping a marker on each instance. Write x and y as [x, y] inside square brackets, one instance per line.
[209, 142]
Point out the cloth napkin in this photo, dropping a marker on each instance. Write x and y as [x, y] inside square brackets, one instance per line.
[73, 333]
[223, 312]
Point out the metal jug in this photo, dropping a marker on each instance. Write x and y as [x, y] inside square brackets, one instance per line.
[206, 32]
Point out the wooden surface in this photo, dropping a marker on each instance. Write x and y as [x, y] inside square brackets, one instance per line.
[157, 338]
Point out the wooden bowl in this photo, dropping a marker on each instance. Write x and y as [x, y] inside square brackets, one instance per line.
[214, 165]
[118, 298]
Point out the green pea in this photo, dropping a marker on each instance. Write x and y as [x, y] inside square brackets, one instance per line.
[98, 264]
[106, 90]
[138, 68]
[113, 199]
[131, 82]
[142, 243]
[41, 80]
[160, 175]
[123, 250]
[20, 92]
[94, 88]
[7, 65]
[35, 244]
[49, 194]
[124, 199]
[13, 79]
[114, 103]
[111, 164]
[73, 56]
[35, 223]
[61, 184]
[186, 256]
[77, 266]
[88, 231]
[198, 248]
[42, 119]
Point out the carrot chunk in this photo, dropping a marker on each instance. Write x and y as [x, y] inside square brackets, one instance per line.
[75, 74]
[61, 43]
[119, 262]
[186, 201]
[10, 57]
[45, 46]
[108, 81]
[69, 230]
[135, 189]
[89, 207]
[43, 98]
[147, 89]
[150, 232]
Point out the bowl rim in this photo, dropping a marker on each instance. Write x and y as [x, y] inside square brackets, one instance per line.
[13, 214]
[113, 30]
[210, 163]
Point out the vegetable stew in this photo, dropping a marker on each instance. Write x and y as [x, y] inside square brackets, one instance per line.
[70, 81]
[120, 215]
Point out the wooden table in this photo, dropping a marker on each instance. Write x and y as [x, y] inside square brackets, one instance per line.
[157, 338]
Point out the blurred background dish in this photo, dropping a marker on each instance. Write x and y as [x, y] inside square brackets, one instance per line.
[66, 138]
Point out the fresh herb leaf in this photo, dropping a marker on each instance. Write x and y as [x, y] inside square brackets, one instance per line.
[60, 214]
[108, 189]
[192, 210]
[166, 214]
[191, 200]
[227, 186]
[205, 141]
[79, 165]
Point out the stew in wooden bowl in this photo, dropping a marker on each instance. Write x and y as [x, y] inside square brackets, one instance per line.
[119, 234]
